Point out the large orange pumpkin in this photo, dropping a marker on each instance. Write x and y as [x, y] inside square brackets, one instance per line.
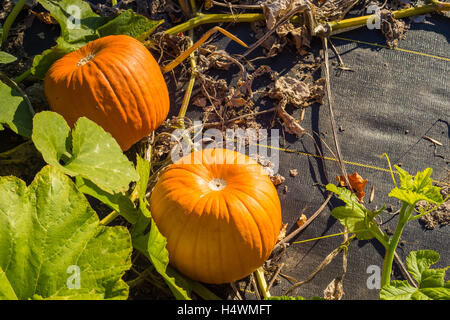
[113, 81]
[220, 213]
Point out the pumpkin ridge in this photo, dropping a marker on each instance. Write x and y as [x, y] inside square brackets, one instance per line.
[210, 234]
[242, 221]
[157, 112]
[189, 218]
[113, 92]
[256, 222]
[154, 118]
[77, 81]
[235, 238]
[267, 196]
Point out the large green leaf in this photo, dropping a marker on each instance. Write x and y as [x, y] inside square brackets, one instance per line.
[53, 246]
[75, 17]
[87, 151]
[14, 111]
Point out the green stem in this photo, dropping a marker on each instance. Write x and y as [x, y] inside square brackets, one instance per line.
[22, 76]
[214, 18]
[114, 214]
[11, 17]
[431, 210]
[190, 86]
[12, 84]
[109, 218]
[404, 215]
[261, 281]
[398, 14]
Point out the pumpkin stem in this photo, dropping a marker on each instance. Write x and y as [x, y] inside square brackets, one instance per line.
[85, 59]
[217, 184]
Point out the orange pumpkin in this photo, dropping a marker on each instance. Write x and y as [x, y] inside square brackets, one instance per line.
[220, 213]
[113, 81]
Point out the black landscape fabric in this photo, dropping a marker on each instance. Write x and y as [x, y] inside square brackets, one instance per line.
[390, 102]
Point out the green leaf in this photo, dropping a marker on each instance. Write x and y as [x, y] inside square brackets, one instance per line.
[354, 216]
[6, 57]
[88, 151]
[397, 290]
[43, 62]
[119, 202]
[6, 290]
[77, 20]
[419, 261]
[153, 243]
[431, 285]
[14, 111]
[52, 243]
[420, 188]
[143, 170]
[131, 24]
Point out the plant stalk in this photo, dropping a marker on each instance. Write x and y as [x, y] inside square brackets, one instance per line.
[261, 282]
[398, 14]
[10, 19]
[191, 83]
[22, 76]
[405, 212]
[214, 18]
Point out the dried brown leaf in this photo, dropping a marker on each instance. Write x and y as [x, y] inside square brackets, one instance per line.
[290, 124]
[301, 221]
[356, 182]
[334, 290]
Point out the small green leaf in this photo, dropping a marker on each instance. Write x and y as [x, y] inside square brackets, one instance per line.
[87, 151]
[419, 261]
[143, 170]
[43, 62]
[153, 243]
[431, 278]
[131, 24]
[431, 285]
[414, 190]
[14, 111]
[397, 290]
[53, 246]
[354, 216]
[6, 57]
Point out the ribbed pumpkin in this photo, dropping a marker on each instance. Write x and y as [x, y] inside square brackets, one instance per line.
[220, 213]
[113, 81]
